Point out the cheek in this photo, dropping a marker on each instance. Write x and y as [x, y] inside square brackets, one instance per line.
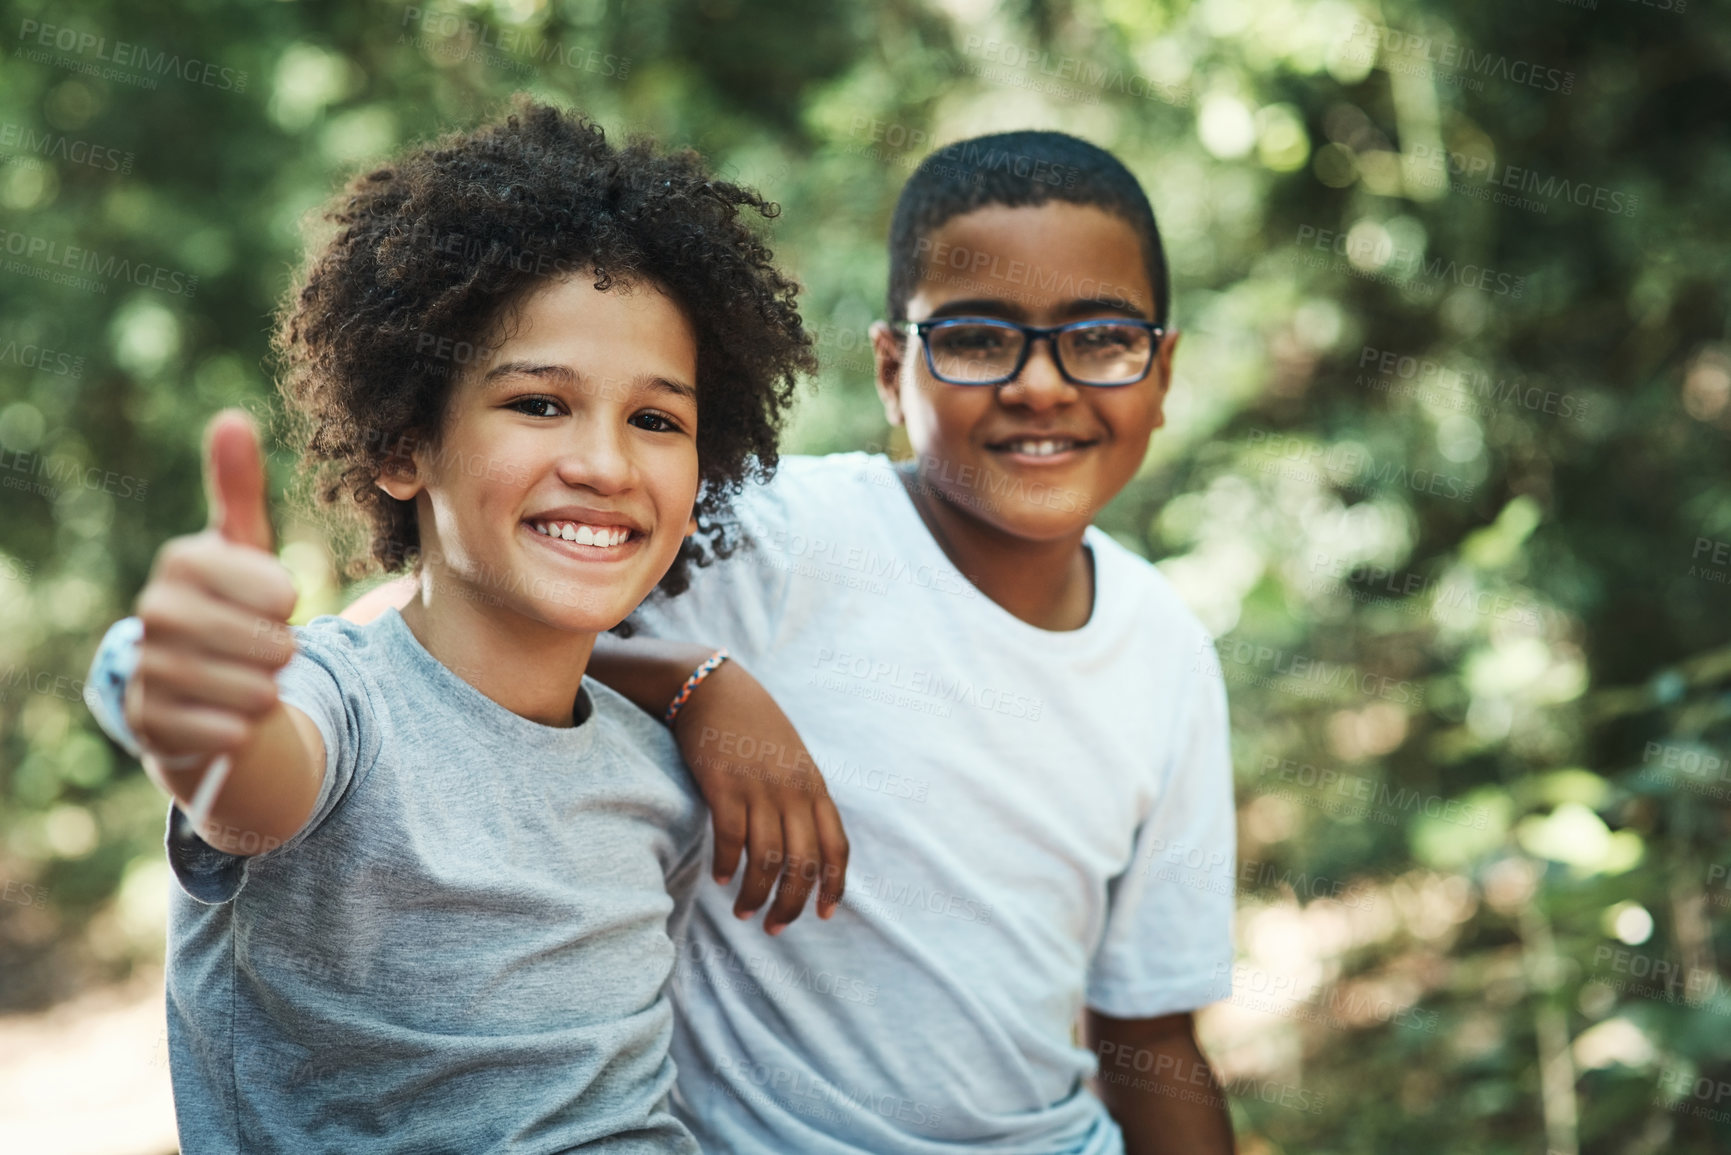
[468, 476]
[946, 410]
[1129, 418]
[674, 474]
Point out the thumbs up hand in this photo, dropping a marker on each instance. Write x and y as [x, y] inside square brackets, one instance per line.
[215, 614]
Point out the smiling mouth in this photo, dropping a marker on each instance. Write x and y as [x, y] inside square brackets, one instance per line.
[604, 536]
[1040, 446]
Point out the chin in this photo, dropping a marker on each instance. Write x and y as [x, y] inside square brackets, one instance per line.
[1041, 525]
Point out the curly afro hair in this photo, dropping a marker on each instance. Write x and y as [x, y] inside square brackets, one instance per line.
[434, 249]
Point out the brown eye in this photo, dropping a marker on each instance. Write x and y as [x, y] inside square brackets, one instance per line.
[535, 406]
[657, 422]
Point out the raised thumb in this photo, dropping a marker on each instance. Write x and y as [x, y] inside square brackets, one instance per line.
[235, 480]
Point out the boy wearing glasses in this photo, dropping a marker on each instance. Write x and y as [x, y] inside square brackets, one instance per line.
[1021, 723]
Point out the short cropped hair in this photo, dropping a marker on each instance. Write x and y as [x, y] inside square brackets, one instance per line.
[435, 247]
[1016, 170]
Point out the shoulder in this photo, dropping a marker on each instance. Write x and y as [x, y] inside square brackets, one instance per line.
[1150, 604]
[337, 643]
[342, 666]
[805, 487]
[799, 469]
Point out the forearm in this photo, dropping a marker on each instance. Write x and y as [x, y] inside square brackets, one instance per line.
[648, 672]
[1159, 1088]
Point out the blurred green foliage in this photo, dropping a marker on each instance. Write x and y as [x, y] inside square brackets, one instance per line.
[1445, 465]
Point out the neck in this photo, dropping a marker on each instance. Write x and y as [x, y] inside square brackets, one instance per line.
[1049, 584]
[526, 666]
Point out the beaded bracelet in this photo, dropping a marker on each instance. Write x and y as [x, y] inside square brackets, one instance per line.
[697, 675]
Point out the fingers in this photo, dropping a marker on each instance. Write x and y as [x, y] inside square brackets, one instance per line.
[241, 575]
[799, 870]
[832, 843]
[239, 688]
[764, 861]
[235, 480]
[175, 728]
[179, 616]
[729, 821]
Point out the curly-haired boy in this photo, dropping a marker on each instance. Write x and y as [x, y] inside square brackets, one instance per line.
[433, 906]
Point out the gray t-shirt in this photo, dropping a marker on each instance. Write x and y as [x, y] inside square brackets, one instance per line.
[468, 947]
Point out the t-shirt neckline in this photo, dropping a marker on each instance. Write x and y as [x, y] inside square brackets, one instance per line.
[482, 710]
[1105, 587]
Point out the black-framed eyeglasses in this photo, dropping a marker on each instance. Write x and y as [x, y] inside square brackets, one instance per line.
[989, 351]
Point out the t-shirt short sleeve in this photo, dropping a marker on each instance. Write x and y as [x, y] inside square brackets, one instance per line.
[323, 684]
[1167, 944]
[739, 601]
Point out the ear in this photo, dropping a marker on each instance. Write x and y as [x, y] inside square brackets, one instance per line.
[887, 349]
[691, 526]
[1162, 374]
[400, 477]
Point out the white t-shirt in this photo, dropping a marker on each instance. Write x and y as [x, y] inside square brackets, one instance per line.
[1039, 820]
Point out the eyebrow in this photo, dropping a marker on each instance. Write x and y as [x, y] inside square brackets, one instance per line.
[564, 375]
[994, 307]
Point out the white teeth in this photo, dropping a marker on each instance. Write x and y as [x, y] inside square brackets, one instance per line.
[1044, 448]
[601, 535]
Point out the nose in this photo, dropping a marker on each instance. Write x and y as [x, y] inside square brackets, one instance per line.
[597, 458]
[1039, 385]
